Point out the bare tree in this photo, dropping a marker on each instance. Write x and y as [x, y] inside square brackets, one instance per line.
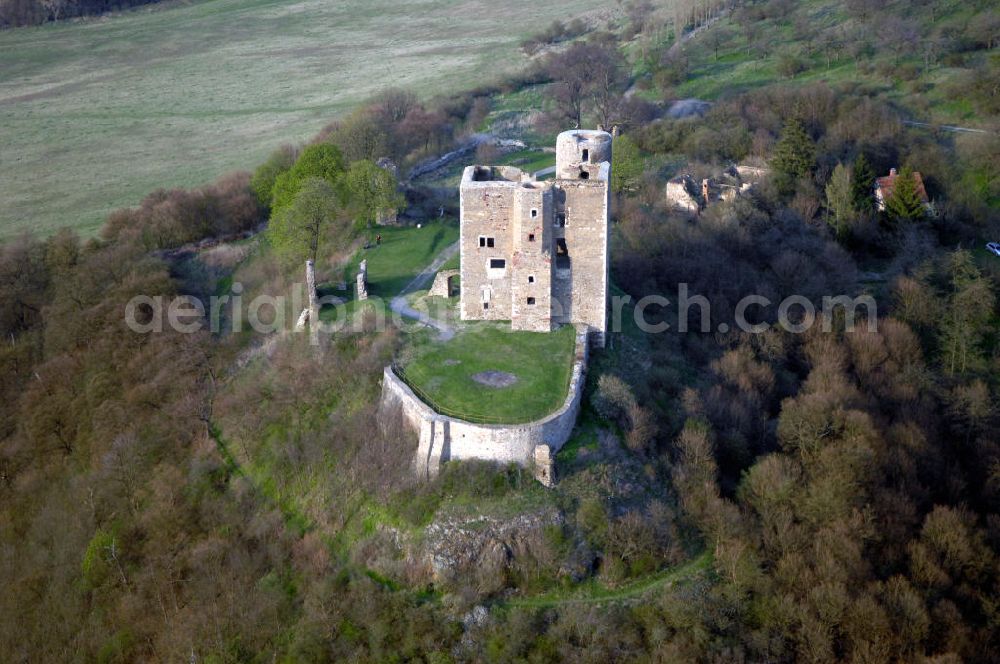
[55, 7]
[571, 71]
[585, 72]
[393, 104]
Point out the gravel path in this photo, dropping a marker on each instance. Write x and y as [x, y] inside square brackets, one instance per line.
[421, 281]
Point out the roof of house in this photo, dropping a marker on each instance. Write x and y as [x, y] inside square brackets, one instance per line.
[887, 183]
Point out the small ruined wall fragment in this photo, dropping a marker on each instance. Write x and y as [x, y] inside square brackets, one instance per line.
[442, 283]
[311, 313]
[363, 280]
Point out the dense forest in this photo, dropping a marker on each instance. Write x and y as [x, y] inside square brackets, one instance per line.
[826, 496]
[15, 13]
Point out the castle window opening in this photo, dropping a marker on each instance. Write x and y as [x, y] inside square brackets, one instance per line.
[531, 278]
[586, 154]
[497, 268]
[562, 253]
[488, 242]
[534, 213]
[531, 237]
[584, 175]
[531, 300]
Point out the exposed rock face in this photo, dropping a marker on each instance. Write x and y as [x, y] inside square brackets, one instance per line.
[680, 195]
[683, 195]
[750, 173]
[387, 164]
[445, 284]
[483, 549]
[363, 280]
[685, 108]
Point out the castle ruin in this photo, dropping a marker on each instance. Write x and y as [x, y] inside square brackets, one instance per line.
[537, 253]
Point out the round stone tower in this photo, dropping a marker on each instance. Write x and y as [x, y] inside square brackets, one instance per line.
[579, 148]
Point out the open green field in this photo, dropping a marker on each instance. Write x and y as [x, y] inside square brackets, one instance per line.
[95, 114]
[542, 362]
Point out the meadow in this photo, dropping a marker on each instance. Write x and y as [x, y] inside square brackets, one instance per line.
[96, 113]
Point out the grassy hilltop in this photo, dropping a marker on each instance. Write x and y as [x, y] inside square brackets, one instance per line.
[96, 114]
[728, 494]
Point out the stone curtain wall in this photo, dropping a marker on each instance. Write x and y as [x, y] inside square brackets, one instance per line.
[442, 438]
[485, 211]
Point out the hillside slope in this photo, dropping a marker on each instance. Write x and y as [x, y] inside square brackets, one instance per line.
[94, 115]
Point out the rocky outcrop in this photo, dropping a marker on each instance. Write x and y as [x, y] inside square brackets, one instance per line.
[485, 548]
[681, 195]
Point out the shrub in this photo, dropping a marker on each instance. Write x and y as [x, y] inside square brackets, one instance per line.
[790, 64]
[613, 398]
[641, 428]
[171, 218]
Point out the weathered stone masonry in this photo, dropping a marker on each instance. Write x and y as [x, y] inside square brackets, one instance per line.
[537, 253]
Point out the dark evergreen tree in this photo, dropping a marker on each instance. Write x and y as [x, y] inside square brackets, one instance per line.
[904, 203]
[862, 183]
[794, 155]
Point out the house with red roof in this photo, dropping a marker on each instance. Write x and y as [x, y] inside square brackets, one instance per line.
[885, 185]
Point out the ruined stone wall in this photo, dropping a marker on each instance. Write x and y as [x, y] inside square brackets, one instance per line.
[581, 151]
[443, 438]
[679, 196]
[531, 264]
[486, 213]
[444, 281]
[553, 239]
[587, 242]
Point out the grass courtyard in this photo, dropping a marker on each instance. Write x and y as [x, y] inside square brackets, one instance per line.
[442, 372]
[405, 251]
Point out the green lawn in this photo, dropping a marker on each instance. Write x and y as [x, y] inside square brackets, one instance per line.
[454, 263]
[542, 362]
[405, 251]
[94, 114]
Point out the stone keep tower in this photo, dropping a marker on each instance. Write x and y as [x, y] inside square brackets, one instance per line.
[537, 253]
